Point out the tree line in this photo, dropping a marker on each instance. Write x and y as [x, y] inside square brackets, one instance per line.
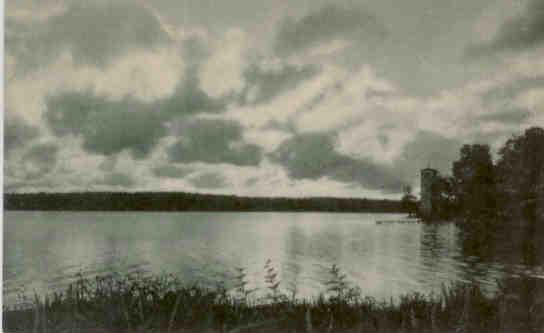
[181, 201]
[480, 189]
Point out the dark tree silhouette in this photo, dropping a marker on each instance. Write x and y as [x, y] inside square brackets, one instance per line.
[444, 198]
[520, 173]
[474, 182]
[180, 201]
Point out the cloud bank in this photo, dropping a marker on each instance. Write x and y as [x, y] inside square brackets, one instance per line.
[316, 99]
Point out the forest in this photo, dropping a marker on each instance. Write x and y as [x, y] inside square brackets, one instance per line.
[181, 201]
[481, 189]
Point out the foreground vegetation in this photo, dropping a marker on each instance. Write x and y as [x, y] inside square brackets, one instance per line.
[164, 304]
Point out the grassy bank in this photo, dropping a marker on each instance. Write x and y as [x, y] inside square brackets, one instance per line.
[164, 304]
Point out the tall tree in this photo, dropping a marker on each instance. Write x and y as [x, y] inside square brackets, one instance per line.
[444, 197]
[474, 181]
[540, 196]
[520, 171]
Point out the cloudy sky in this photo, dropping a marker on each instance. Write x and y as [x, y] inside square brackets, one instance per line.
[268, 97]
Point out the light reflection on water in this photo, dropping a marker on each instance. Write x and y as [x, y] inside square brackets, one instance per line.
[44, 251]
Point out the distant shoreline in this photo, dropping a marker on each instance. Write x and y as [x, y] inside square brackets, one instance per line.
[182, 201]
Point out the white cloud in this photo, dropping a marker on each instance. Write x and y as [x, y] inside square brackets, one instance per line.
[328, 49]
[283, 107]
[32, 11]
[222, 73]
[268, 139]
[375, 140]
[144, 75]
[345, 101]
[533, 100]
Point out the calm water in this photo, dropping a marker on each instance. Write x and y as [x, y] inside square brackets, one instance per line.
[44, 251]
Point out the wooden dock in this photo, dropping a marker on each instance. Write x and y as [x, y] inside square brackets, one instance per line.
[403, 221]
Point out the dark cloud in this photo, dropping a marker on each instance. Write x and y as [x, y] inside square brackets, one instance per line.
[189, 98]
[195, 51]
[208, 180]
[110, 133]
[107, 127]
[17, 133]
[427, 149]
[268, 83]
[67, 113]
[94, 33]
[327, 23]
[516, 34]
[117, 179]
[213, 141]
[39, 160]
[314, 155]
[171, 171]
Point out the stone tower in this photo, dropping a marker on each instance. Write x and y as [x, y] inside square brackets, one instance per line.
[428, 178]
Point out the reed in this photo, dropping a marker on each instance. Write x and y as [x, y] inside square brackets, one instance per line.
[136, 303]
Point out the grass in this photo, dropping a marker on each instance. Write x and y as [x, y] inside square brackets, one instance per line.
[164, 304]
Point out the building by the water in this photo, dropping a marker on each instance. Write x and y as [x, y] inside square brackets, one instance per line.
[428, 179]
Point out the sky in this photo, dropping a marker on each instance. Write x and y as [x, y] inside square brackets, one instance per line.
[262, 98]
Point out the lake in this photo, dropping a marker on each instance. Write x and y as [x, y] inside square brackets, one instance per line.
[44, 251]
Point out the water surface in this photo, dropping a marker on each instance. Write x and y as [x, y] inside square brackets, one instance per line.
[44, 251]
